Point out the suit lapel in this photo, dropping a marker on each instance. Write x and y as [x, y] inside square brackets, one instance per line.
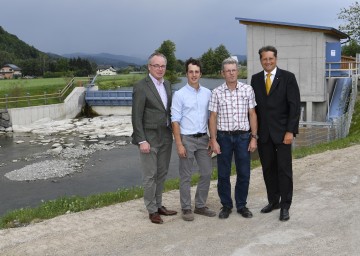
[153, 89]
[262, 83]
[168, 93]
[275, 81]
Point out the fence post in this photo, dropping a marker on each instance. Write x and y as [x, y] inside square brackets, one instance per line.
[6, 104]
[45, 98]
[60, 99]
[28, 98]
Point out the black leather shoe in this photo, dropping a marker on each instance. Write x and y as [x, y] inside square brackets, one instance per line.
[224, 213]
[284, 214]
[245, 212]
[270, 207]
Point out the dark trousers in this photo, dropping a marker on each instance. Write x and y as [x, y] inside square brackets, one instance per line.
[276, 161]
[237, 146]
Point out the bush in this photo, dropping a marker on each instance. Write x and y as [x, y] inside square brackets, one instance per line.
[57, 74]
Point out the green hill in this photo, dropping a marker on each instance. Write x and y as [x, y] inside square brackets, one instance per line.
[13, 50]
[36, 63]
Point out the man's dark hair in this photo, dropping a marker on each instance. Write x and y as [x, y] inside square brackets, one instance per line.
[268, 48]
[194, 62]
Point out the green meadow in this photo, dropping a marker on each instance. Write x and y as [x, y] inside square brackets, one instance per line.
[15, 93]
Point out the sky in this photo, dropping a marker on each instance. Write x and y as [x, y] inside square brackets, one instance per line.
[138, 27]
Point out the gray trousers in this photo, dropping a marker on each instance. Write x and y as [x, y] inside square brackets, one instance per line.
[155, 167]
[196, 149]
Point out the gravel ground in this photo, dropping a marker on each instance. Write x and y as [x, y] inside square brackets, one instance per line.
[69, 160]
[324, 220]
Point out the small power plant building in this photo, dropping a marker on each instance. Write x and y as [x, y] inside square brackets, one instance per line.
[312, 53]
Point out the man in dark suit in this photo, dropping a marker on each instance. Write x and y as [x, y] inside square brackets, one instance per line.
[152, 133]
[278, 111]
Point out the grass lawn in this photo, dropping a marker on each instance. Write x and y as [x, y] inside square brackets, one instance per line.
[19, 87]
[15, 93]
[113, 82]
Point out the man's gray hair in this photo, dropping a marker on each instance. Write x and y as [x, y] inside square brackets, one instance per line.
[229, 61]
[156, 54]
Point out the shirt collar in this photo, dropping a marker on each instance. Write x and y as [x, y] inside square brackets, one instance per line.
[189, 87]
[225, 87]
[272, 72]
[155, 81]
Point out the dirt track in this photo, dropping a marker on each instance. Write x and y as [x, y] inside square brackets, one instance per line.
[324, 220]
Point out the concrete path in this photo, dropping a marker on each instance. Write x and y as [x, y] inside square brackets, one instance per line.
[324, 220]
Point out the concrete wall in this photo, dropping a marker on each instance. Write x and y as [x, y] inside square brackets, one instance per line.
[301, 52]
[112, 110]
[69, 109]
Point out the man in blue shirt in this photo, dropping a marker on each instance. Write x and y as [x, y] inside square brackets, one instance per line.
[189, 116]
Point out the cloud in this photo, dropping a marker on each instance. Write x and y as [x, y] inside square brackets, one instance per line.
[137, 28]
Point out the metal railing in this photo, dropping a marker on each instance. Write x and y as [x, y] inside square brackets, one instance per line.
[108, 98]
[40, 99]
[342, 69]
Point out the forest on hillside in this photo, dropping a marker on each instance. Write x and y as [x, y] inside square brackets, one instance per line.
[36, 63]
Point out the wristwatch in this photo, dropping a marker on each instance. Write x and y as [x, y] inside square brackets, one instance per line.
[255, 136]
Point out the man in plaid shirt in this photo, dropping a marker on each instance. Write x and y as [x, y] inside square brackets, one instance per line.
[233, 131]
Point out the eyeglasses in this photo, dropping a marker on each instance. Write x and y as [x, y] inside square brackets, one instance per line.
[156, 66]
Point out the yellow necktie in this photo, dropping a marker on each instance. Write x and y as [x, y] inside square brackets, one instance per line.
[268, 83]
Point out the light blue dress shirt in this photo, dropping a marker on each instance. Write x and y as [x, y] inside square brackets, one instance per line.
[190, 109]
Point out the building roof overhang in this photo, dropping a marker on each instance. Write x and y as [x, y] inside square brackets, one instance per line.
[295, 26]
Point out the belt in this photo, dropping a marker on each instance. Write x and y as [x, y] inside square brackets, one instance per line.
[197, 135]
[236, 132]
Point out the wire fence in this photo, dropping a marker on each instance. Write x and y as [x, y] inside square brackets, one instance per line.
[312, 133]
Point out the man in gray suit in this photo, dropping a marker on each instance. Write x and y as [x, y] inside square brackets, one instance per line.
[152, 133]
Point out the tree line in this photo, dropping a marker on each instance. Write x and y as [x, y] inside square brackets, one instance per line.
[211, 60]
[36, 63]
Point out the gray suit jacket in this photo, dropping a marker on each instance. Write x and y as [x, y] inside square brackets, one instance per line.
[150, 119]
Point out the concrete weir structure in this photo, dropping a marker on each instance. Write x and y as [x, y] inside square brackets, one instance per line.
[71, 107]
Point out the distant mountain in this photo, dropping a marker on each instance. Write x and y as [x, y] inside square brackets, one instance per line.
[54, 55]
[108, 59]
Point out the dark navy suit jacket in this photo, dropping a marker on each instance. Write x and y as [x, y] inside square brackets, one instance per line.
[278, 112]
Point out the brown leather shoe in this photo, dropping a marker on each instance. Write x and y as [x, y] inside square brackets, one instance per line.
[166, 212]
[155, 218]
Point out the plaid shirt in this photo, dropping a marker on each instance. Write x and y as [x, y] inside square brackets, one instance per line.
[232, 107]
